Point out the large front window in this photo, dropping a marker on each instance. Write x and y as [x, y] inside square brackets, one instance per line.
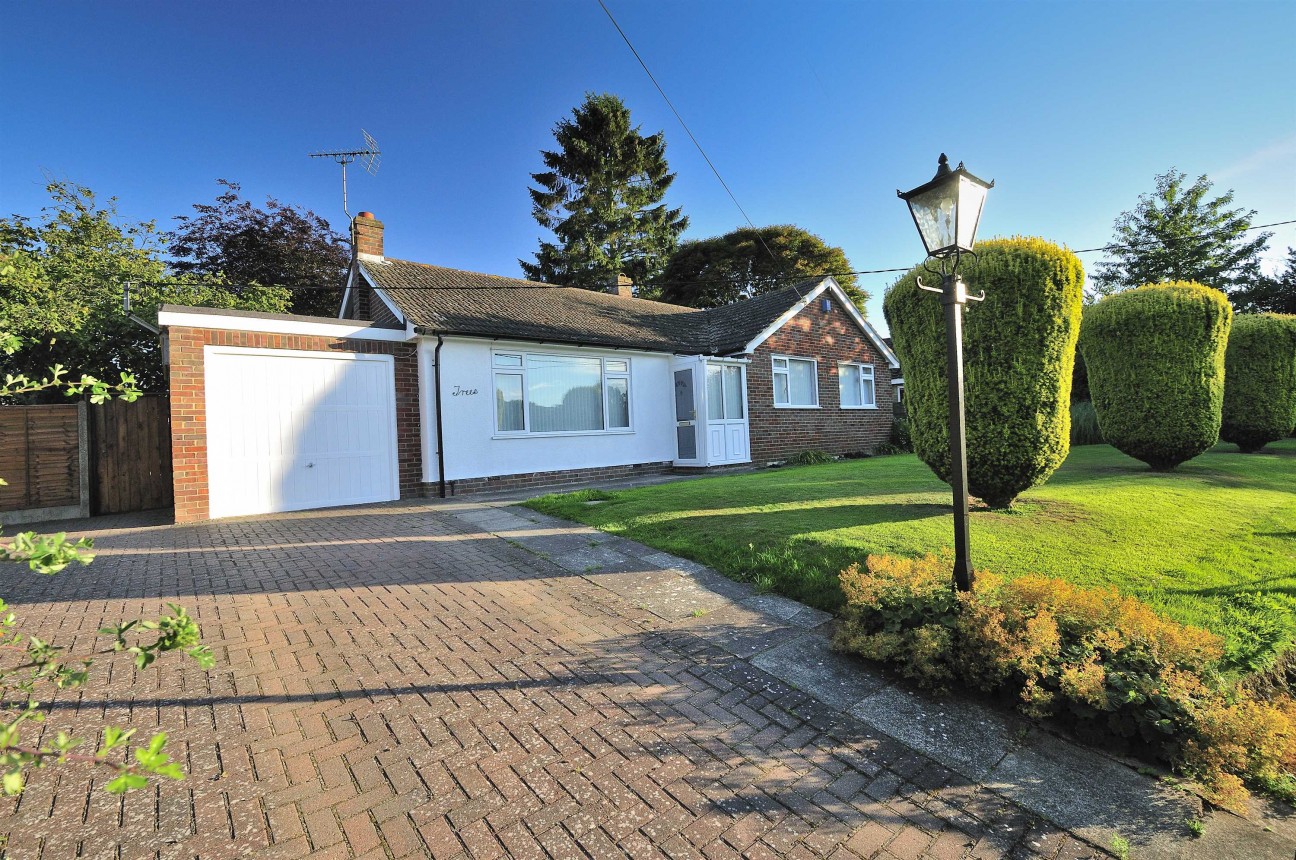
[549, 393]
[795, 382]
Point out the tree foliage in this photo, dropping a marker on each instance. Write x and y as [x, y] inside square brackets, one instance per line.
[707, 273]
[280, 245]
[1259, 380]
[601, 195]
[1180, 233]
[1019, 350]
[61, 282]
[30, 666]
[1276, 294]
[1155, 358]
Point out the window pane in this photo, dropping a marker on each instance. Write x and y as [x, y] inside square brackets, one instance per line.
[850, 385]
[566, 393]
[508, 402]
[508, 361]
[802, 383]
[870, 398]
[780, 363]
[617, 365]
[715, 393]
[780, 389]
[733, 392]
[618, 403]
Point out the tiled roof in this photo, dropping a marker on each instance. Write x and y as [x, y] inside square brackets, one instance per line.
[450, 301]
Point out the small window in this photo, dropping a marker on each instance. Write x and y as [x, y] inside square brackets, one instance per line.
[796, 382]
[618, 389]
[503, 359]
[508, 403]
[616, 365]
[857, 386]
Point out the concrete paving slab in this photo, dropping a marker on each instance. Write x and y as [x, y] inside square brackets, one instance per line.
[593, 559]
[809, 664]
[740, 631]
[1094, 796]
[966, 737]
[667, 594]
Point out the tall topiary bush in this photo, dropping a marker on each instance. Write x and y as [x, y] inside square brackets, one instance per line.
[1155, 358]
[1018, 348]
[1259, 380]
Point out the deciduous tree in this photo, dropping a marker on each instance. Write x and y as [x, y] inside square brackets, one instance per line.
[1180, 233]
[1276, 294]
[280, 246]
[706, 273]
[601, 195]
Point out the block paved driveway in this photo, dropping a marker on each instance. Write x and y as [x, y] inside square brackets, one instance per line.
[393, 681]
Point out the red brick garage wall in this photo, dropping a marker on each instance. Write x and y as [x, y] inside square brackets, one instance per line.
[828, 337]
[189, 412]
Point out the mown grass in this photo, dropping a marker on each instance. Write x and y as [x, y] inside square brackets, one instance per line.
[1211, 544]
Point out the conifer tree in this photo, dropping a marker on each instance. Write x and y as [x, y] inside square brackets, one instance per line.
[601, 196]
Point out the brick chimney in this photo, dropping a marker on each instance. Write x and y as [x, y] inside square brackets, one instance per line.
[367, 235]
[620, 285]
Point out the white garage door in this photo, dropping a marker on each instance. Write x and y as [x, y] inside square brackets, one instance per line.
[289, 430]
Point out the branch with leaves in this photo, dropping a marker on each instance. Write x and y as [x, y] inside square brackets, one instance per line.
[40, 665]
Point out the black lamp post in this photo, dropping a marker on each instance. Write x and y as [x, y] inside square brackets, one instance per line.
[946, 211]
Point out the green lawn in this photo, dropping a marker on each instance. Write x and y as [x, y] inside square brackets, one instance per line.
[1212, 544]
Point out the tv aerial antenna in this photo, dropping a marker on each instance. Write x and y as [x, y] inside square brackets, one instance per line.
[369, 157]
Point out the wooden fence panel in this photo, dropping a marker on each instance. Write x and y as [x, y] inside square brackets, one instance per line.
[130, 453]
[39, 457]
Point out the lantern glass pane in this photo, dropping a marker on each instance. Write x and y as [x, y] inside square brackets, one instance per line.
[934, 211]
[972, 198]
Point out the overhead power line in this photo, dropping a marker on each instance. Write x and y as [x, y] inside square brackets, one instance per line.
[521, 286]
[688, 131]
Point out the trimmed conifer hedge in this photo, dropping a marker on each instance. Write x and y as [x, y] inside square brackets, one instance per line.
[1155, 359]
[1018, 353]
[1259, 380]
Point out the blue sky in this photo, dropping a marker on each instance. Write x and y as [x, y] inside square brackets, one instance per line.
[814, 112]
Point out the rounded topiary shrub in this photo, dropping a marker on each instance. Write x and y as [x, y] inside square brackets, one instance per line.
[1155, 359]
[1259, 380]
[1018, 351]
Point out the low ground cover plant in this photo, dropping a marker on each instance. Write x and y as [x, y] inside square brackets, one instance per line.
[1102, 663]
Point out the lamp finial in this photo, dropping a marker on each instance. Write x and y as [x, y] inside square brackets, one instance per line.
[942, 166]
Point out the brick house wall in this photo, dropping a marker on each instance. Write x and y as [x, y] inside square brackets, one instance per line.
[828, 337]
[189, 411]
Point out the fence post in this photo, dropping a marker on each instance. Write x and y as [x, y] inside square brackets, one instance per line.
[83, 456]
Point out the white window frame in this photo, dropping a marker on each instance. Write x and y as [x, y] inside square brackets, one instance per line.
[498, 369]
[871, 371]
[776, 372]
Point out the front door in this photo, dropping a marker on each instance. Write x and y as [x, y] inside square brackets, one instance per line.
[727, 435]
[685, 415]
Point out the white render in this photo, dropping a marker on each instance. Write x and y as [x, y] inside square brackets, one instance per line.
[473, 448]
[290, 429]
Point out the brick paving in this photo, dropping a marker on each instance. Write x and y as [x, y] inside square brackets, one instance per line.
[392, 681]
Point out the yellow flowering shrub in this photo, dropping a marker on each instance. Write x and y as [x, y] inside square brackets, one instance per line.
[1103, 662]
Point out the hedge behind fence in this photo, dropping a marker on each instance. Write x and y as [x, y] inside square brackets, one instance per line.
[1259, 380]
[1155, 359]
[1019, 349]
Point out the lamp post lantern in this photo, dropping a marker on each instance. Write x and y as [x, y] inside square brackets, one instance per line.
[946, 212]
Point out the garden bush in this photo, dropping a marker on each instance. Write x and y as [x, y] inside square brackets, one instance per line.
[1019, 348]
[1084, 424]
[811, 457]
[1105, 664]
[1259, 380]
[1155, 360]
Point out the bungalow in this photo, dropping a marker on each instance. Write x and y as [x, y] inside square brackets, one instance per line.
[439, 381]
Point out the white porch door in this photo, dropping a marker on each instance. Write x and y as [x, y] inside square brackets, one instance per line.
[727, 427]
[289, 430]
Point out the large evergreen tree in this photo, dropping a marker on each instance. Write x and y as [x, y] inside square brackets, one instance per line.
[1179, 233]
[281, 246]
[746, 262]
[601, 196]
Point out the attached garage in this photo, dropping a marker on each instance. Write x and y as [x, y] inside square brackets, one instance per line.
[289, 430]
[277, 413]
